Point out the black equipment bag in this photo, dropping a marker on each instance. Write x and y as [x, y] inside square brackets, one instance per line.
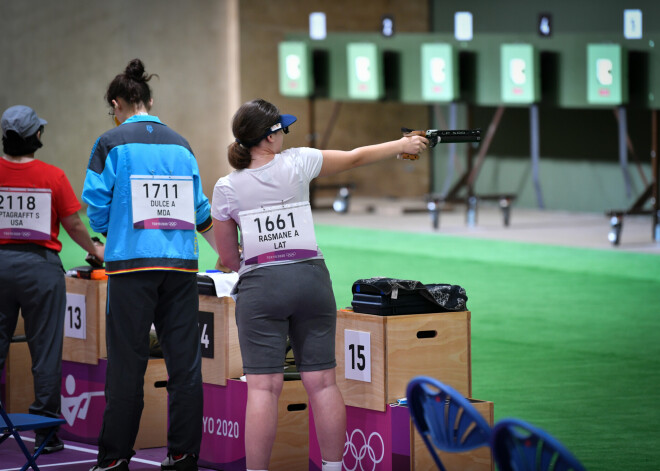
[392, 297]
[205, 285]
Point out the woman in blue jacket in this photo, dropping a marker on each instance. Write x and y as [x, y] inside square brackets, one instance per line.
[145, 195]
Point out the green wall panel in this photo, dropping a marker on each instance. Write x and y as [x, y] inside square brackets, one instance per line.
[562, 66]
[365, 71]
[607, 74]
[519, 74]
[439, 73]
[577, 185]
[295, 69]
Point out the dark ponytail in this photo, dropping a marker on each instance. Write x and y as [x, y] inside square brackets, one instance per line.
[131, 86]
[239, 156]
[249, 124]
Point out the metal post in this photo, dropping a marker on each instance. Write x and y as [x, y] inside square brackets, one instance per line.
[656, 175]
[451, 162]
[623, 148]
[535, 146]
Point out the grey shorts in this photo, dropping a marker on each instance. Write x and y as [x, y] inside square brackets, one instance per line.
[293, 299]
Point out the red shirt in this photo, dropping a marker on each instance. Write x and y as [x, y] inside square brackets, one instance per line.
[38, 174]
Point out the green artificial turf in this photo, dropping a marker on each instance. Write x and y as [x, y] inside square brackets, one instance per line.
[565, 338]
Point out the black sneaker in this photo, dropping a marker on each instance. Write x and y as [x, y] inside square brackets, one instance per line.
[184, 462]
[116, 465]
[53, 445]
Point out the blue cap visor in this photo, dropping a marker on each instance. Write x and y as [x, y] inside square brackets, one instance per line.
[285, 121]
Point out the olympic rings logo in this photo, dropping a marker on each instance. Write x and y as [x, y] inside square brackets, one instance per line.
[361, 447]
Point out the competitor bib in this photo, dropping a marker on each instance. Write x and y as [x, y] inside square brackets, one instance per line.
[25, 213]
[162, 202]
[278, 233]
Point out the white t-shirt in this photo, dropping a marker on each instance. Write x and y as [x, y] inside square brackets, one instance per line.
[284, 180]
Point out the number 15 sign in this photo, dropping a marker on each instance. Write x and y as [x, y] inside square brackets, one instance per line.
[357, 355]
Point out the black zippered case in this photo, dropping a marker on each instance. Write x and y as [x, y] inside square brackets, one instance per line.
[393, 297]
[205, 285]
[384, 305]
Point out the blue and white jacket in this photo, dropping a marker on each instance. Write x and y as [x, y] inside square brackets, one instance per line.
[142, 145]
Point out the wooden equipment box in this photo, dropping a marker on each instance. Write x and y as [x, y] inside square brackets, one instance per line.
[19, 384]
[83, 403]
[221, 353]
[153, 423]
[291, 447]
[375, 440]
[386, 352]
[223, 438]
[84, 329]
[17, 379]
[479, 459]
[20, 325]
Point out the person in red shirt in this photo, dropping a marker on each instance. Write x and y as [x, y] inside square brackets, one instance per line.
[35, 198]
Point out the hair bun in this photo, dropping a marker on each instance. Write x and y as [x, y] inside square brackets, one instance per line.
[135, 70]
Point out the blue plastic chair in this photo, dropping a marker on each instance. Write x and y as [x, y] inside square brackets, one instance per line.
[11, 424]
[519, 446]
[444, 418]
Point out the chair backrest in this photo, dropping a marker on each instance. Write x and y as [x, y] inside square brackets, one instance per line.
[444, 418]
[519, 446]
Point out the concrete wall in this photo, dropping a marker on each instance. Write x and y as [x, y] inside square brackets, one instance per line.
[58, 57]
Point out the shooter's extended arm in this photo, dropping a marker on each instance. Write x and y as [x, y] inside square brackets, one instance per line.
[436, 136]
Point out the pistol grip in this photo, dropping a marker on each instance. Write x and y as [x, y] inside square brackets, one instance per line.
[408, 134]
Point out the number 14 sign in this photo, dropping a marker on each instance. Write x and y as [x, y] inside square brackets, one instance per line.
[357, 355]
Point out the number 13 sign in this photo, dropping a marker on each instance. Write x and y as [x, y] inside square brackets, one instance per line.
[357, 355]
[75, 322]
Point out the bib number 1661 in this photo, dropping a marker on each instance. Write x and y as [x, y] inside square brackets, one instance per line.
[280, 223]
